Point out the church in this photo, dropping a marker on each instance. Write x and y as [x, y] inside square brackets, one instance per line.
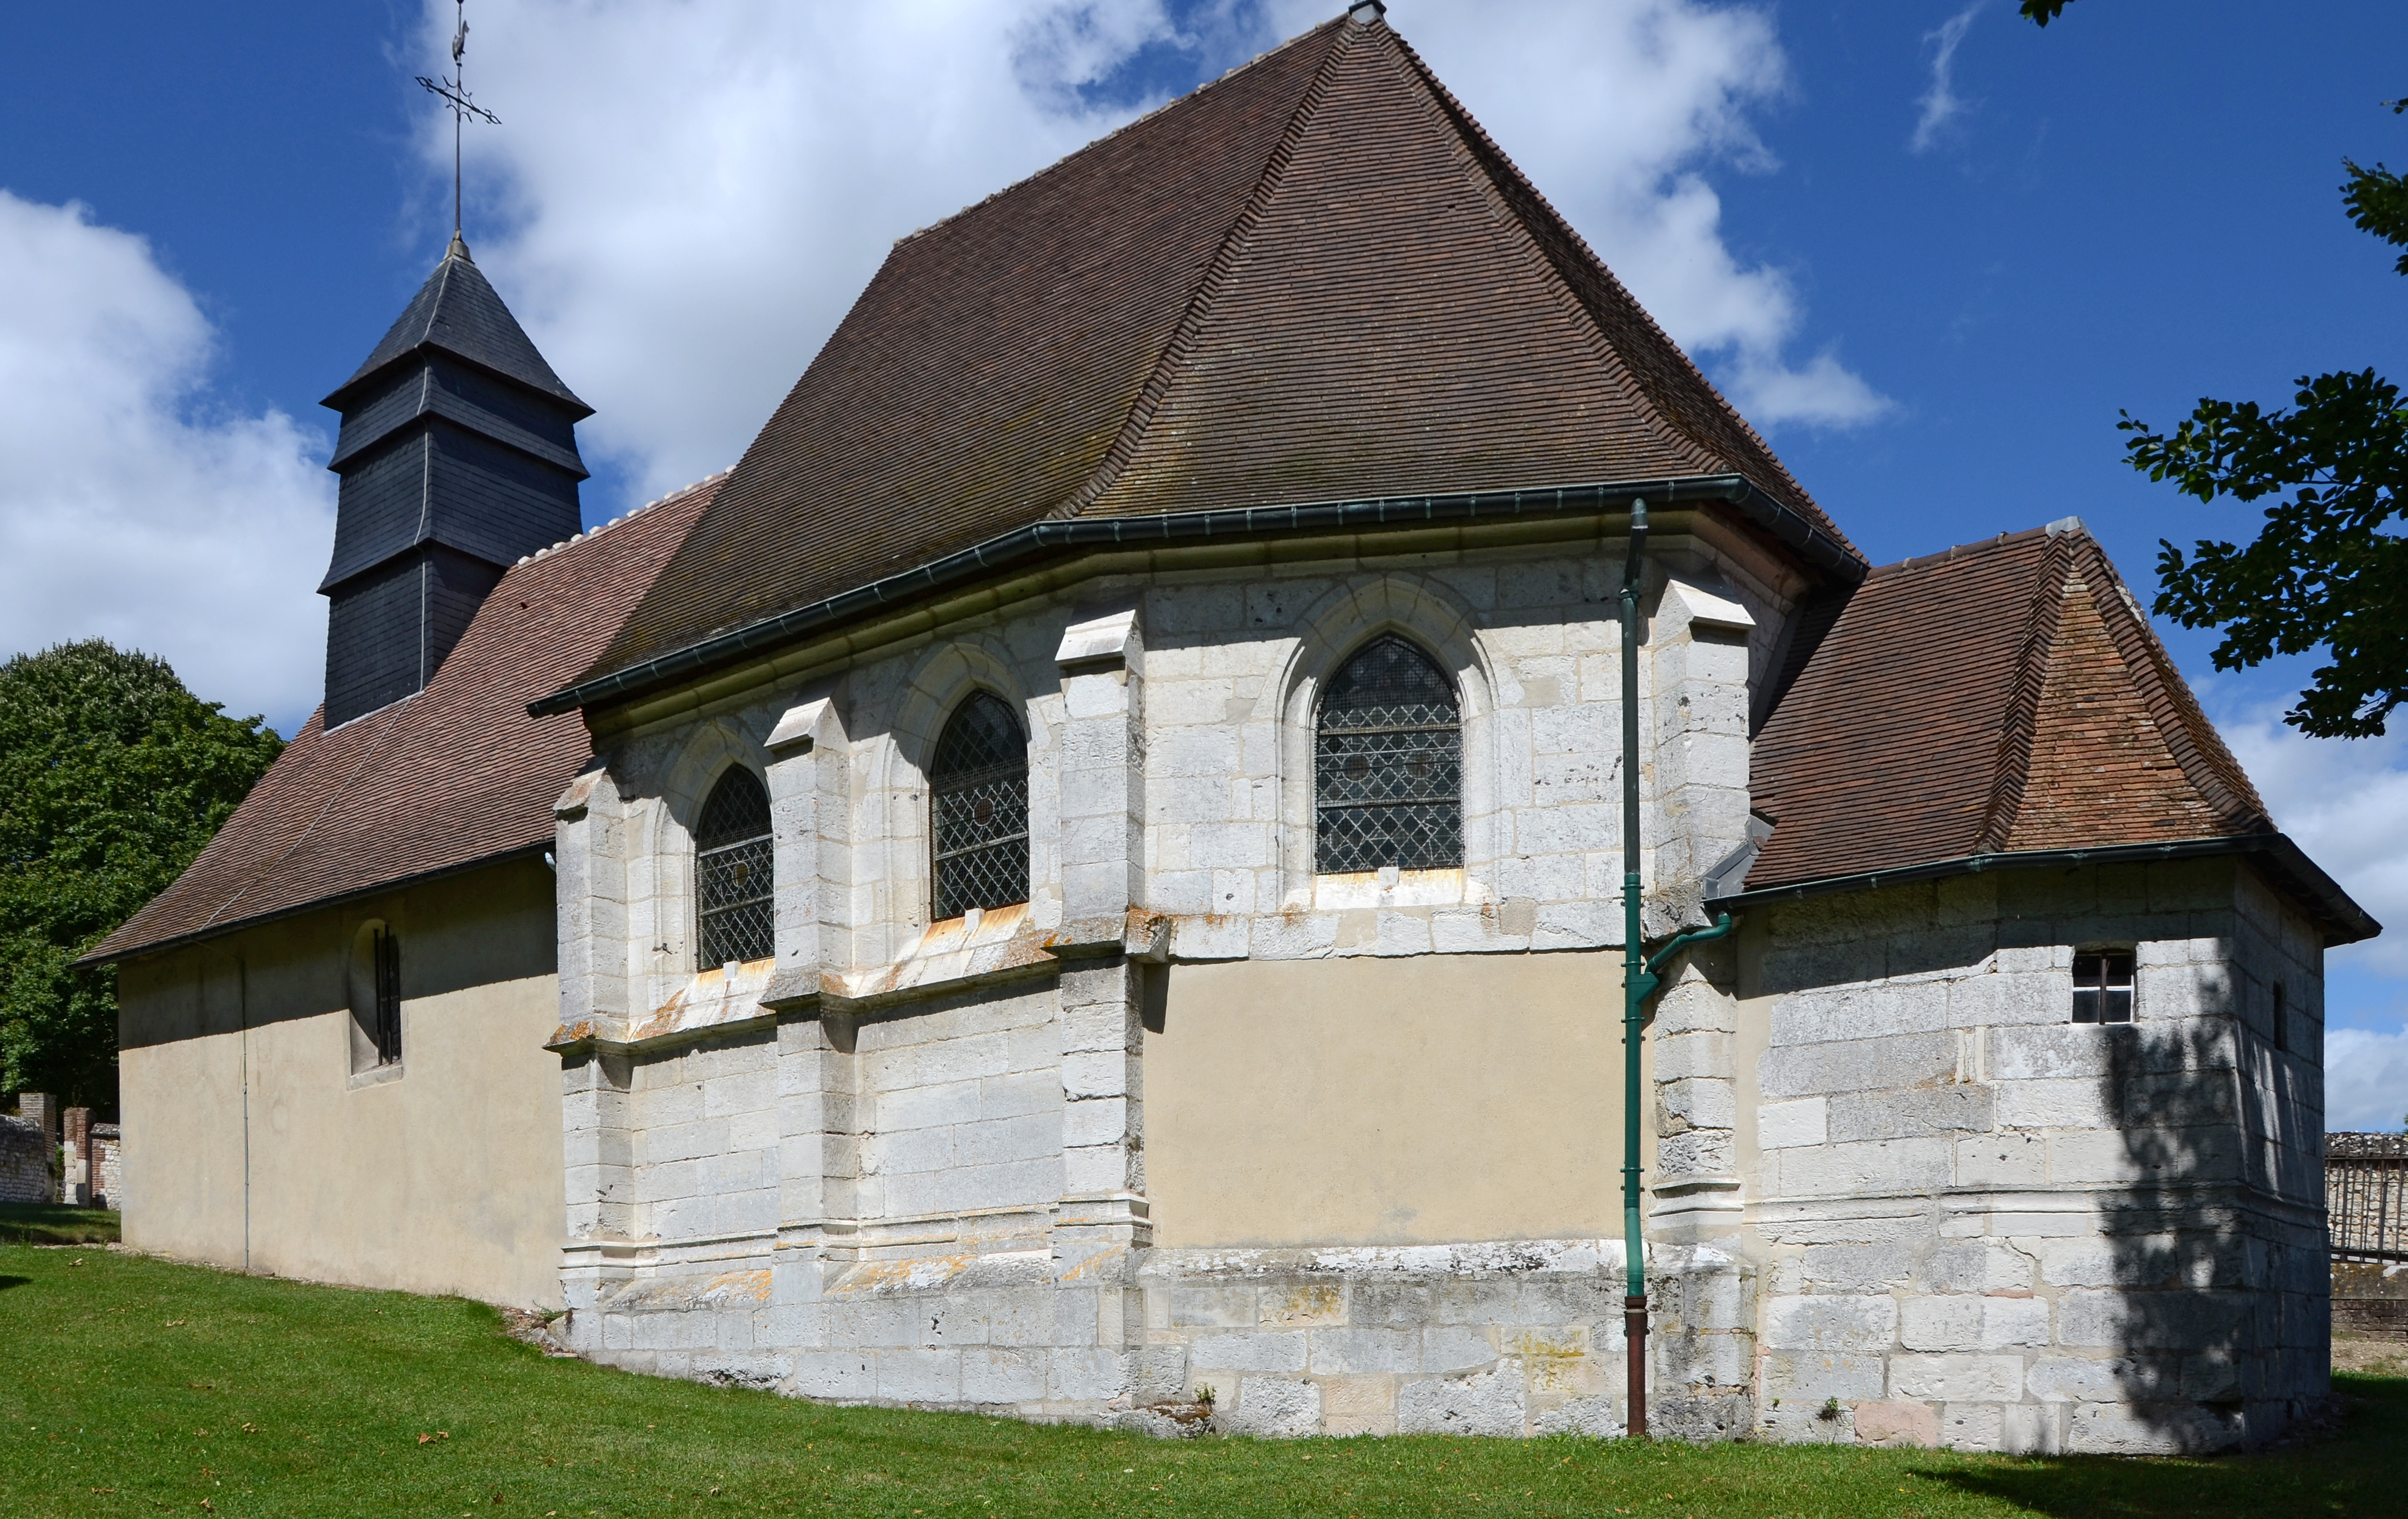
[1085, 877]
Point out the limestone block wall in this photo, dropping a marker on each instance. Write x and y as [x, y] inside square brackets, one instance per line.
[1182, 785]
[1979, 1224]
[703, 1124]
[25, 1155]
[904, 1161]
[109, 1168]
[961, 1108]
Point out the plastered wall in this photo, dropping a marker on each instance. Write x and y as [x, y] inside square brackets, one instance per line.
[1386, 1102]
[251, 1141]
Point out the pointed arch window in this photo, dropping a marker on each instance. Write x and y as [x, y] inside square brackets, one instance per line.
[734, 887]
[1387, 768]
[977, 805]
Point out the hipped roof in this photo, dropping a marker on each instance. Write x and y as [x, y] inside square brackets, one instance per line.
[453, 776]
[2004, 697]
[1314, 278]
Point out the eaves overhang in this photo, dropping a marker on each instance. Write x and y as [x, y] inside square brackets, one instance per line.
[2344, 921]
[316, 904]
[1783, 523]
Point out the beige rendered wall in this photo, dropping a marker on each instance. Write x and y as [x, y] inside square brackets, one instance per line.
[445, 1178]
[1386, 1101]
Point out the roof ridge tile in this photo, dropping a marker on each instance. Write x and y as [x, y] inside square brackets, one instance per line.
[1216, 277]
[630, 514]
[2192, 739]
[1060, 165]
[1500, 163]
[2010, 769]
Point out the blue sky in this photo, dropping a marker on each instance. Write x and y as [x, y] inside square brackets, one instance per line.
[1933, 286]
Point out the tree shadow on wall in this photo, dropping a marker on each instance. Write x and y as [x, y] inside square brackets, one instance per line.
[2213, 1310]
[2195, 1328]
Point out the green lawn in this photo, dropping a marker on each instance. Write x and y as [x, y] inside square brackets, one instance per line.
[131, 1386]
[50, 1224]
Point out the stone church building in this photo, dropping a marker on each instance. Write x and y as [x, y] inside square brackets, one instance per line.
[1088, 866]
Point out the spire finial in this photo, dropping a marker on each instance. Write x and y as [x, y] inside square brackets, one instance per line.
[455, 94]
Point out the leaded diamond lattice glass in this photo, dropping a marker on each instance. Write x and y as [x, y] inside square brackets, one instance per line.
[1387, 766]
[733, 875]
[977, 804]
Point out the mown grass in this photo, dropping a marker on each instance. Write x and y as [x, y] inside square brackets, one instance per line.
[133, 1387]
[50, 1224]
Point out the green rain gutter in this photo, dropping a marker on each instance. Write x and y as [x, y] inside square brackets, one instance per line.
[1640, 977]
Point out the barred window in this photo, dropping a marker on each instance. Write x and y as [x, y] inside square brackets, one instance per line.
[387, 961]
[1387, 766]
[733, 874]
[977, 809]
[2102, 986]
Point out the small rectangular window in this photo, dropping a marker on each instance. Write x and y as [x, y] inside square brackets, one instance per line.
[2282, 1020]
[2102, 987]
[388, 999]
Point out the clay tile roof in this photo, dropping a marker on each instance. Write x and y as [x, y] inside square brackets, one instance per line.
[1313, 278]
[2003, 697]
[456, 775]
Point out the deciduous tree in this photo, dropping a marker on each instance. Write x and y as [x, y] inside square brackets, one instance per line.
[2328, 568]
[112, 776]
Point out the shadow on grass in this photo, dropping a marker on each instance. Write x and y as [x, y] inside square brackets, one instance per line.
[9, 1281]
[2355, 1472]
[53, 1223]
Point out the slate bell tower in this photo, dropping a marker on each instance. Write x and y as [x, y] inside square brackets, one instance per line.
[458, 457]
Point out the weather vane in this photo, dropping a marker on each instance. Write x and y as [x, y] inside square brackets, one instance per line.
[455, 94]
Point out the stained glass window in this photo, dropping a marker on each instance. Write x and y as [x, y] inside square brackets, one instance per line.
[977, 805]
[1387, 768]
[733, 875]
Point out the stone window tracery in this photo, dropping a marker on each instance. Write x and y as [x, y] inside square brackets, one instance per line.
[1387, 765]
[734, 885]
[978, 807]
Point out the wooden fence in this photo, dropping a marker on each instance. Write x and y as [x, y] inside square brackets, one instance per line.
[2366, 1195]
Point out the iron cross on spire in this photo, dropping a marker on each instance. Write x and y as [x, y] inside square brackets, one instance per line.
[455, 94]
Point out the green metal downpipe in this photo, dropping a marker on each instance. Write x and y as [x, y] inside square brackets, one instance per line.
[1636, 984]
[1640, 977]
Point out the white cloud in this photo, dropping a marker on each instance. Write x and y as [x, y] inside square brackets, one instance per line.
[129, 509]
[2366, 1080]
[1940, 103]
[690, 196]
[695, 195]
[2345, 802]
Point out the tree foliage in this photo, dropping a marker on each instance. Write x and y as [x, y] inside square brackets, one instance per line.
[112, 776]
[2328, 568]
